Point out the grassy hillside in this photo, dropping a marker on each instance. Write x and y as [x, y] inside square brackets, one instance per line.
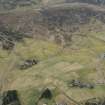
[58, 66]
[69, 43]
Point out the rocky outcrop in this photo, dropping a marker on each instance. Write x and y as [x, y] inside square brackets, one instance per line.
[9, 97]
[77, 83]
[28, 63]
[12, 4]
[9, 37]
[46, 94]
[95, 101]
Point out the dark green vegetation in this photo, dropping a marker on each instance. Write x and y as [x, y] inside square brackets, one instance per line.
[9, 37]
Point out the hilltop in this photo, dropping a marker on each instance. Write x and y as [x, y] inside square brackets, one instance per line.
[96, 2]
[17, 4]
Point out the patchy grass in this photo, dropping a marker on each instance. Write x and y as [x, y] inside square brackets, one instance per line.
[57, 66]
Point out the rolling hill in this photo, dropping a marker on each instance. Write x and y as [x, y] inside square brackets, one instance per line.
[67, 38]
